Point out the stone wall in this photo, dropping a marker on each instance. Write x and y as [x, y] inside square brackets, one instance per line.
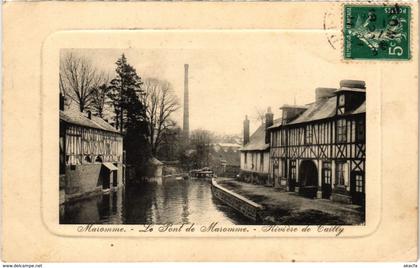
[243, 205]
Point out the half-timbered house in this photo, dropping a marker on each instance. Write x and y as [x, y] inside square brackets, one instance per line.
[91, 155]
[318, 150]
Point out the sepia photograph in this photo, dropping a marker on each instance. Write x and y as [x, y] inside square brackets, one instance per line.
[145, 139]
[209, 132]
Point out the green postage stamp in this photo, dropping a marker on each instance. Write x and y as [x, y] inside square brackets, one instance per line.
[377, 32]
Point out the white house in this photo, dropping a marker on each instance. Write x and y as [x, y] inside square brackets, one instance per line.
[255, 153]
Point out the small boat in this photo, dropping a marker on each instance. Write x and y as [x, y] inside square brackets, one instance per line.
[202, 173]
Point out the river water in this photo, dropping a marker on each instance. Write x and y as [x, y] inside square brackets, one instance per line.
[160, 201]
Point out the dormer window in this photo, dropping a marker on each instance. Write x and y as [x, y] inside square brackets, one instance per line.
[341, 104]
[284, 114]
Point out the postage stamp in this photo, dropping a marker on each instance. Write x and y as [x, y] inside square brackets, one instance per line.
[377, 32]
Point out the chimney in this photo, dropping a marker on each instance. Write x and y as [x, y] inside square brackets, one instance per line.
[353, 84]
[186, 123]
[269, 118]
[246, 130]
[323, 93]
[89, 114]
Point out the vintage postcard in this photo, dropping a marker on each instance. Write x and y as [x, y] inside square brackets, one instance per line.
[284, 131]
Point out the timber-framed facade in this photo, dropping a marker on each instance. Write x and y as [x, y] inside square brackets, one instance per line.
[91, 155]
[319, 150]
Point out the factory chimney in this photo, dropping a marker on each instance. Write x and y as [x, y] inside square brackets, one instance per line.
[186, 126]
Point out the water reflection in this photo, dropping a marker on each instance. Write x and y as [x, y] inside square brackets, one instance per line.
[157, 202]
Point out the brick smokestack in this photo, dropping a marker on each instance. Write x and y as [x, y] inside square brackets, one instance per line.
[186, 126]
[269, 118]
[246, 130]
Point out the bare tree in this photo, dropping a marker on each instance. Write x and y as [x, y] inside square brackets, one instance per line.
[260, 115]
[78, 79]
[161, 103]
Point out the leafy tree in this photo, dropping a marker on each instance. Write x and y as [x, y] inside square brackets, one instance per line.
[99, 99]
[125, 90]
[126, 96]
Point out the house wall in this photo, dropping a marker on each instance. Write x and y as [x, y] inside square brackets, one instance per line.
[253, 162]
[86, 179]
[252, 169]
[82, 179]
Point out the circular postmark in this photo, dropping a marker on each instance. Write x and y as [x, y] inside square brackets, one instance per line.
[331, 29]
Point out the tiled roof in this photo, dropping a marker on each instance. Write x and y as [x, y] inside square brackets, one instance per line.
[78, 118]
[257, 139]
[323, 109]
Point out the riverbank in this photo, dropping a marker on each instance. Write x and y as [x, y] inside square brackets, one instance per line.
[169, 200]
[289, 208]
[246, 207]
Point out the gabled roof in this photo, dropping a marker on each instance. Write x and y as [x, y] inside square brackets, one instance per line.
[77, 118]
[323, 109]
[257, 139]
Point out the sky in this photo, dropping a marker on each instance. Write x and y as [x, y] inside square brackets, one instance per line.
[234, 73]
